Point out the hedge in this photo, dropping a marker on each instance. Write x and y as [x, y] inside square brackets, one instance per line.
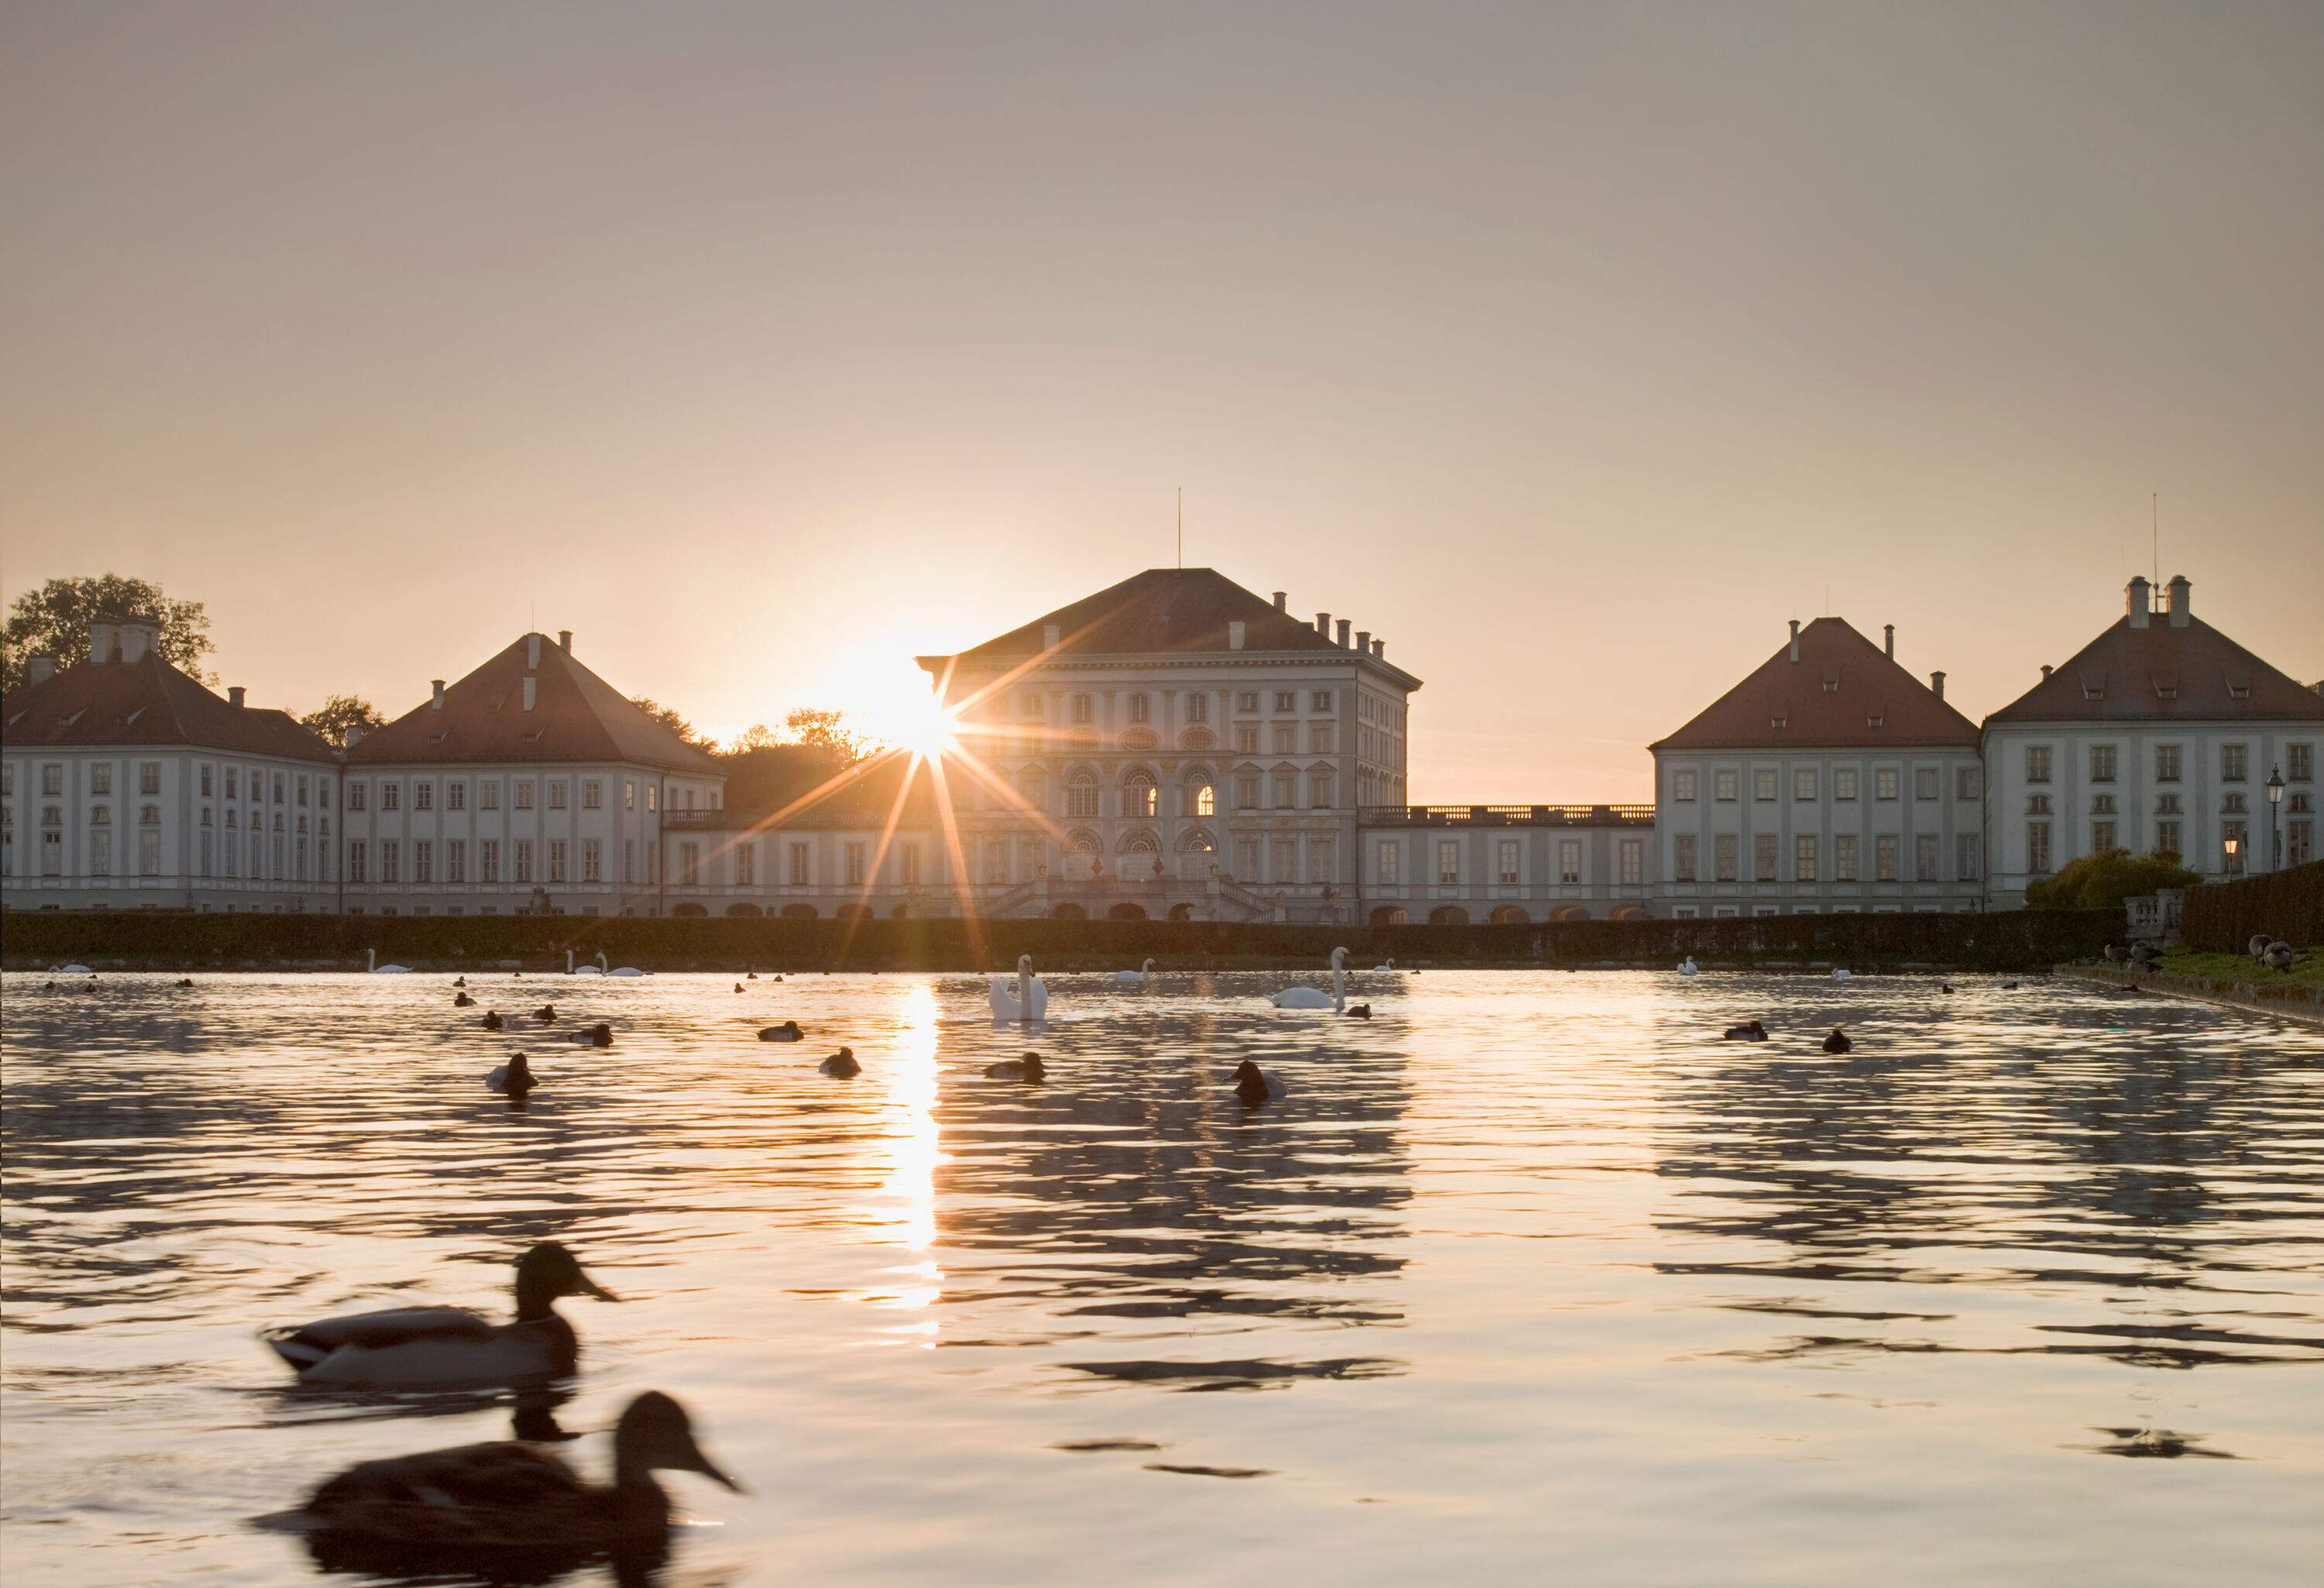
[2018, 940]
[2223, 918]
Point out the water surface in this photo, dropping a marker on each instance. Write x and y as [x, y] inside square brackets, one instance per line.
[1530, 1278]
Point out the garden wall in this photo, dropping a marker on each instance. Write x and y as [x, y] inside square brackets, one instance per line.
[2222, 917]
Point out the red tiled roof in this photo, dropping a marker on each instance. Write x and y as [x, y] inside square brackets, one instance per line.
[2165, 674]
[1868, 687]
[148, 702]
[576, 717]
[1163, 609]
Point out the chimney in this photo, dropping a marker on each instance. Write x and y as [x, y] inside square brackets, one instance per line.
[1795, 639]
[138, 636]
[529, 684]
[1379, 648]
[1279, 599]
[1363, 642]
[1050, 636]
[355, 734]
[2045, 670]
[1937, 685]
[104, 634]
[1344, 626]
[2138, 599]
[1324, 624]
[234, 694]
[2182, 606]
[1235, 635]
[531, 656]
[40, 669]
[436, 701]
[565, 641]
[1889, 644]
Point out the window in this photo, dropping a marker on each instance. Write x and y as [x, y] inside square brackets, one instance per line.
[1448, 860]
[852, 858]
[2101, 764]
[689, 864]
[300, 783]
[1508, 870]
[1569, 860]
[357, 790]
[1246, 738]
[523, 800]
[556, 792]
[1967, 861]
[1968, 784]
[2101, 836]
[1247, 700]
[2166, 764]
[593, 860]
[1803, 857]
[2232, 762]
[908, 858]
[488, 794]
[455, 795]
[1722, 785]
[1926, 782]
[391, 796]
[2301, 763]
[1683, 784]
[278, 794]
[1247, 792]
[423, 860]
[2231, 804]
[1843, 857]
[358, 859]
[1884, 857]
[629, 796]
[524, 860]
[1763, 857]
[2038, 763]
[149, 777]
[800, 866]
[100, 778]
[2037, 846]
[1387, 862]
[1204, 802]
[2037, 805]
[1319, 700]
[2102, 805]
[1198, 708]
[1285, 852]
[1082, 708]
[1287, 700]
[205, 781]
[557, 860]
[2166, 837]
[1883, 782]
[1723, 849]
[1633, 861]
[1322, 859]
[1140, 709]
[1286, 795]
[52, 780]
[1924, 857]
[423, 796]
[1683, 857]
[488, 860]
[1319, 738]
[1319, 791]
[206, 840]
[1140, 797]
[1803, 782]
[456, 861]
[390, 861]
[1287, 738]
[1763, 783]
[101, 853]
[1843, 782]
[593, 794]
[1081, 795]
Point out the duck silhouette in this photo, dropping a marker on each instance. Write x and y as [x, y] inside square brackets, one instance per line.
[1028, 1068]
[788, 1031]
[1838, 1041]
[841, 1066]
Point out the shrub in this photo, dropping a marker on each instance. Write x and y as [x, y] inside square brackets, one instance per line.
[2104, 880]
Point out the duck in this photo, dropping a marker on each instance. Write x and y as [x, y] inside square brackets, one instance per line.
[1358, 1011]
[462, 1000]
[1254, 1085]
[1313, 997]
[1143, 977]
[447, 1345]
[371, 964]
[1687, 967]
[1030, 1002]
[545, 1014]
[459, 981]
[841, 1066]
[185, 980]
[738, 986]
[600, 1035]
[1838, 1041]
[493, 1020]
[1386, 965]
[508, 1495]
[788, 1031]
[750, 975]
[1944, 986]
[1750, 1031]
[1028, 1068]
[2009, 986]
[515, 1078]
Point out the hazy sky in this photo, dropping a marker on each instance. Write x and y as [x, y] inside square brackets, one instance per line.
[1571, 348]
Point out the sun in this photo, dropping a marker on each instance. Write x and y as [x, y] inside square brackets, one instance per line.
[915, 722]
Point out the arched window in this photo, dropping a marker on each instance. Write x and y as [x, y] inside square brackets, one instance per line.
[1081, 795]
[1197, 841]
[149, 816]
[1140, 797]
[1140, 843]
[99, 815]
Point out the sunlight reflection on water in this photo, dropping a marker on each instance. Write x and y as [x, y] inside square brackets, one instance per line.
[1530, 1275]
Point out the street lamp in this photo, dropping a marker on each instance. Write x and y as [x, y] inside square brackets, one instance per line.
[2274, 812]
[2231, 844]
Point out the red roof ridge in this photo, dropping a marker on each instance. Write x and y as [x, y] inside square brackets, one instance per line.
[1910, 712]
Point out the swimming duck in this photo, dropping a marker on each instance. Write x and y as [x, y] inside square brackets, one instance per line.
[545, 1014]
[493, 1021]
[841, 1065]
[1750, 1031]
[515, 1078]
[750, 975]
[2009, 986]
[1028, 1068]
[512, 1496]
[1836, 1042]
[738, 986]
[1254, 1085]
[448, 1345]
[600, 1035]
[462, 1000]
[185, 980]
[459, 981]
[1359, 1012]
[788, 1031]
[1944, 986]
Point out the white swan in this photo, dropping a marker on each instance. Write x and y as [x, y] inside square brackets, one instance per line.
[1839, 973]
[371, 964]
[622, 970]
[1031, 1000]
[1314, 998]
[1388, 966]
[1143, 977]
[1686, 967]
[74, 970]
[584, 970]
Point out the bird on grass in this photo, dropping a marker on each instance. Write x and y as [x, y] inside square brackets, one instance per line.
[515, 1078]
[1028, 1068]
[841, 1066]
[1838, 1041]
[442, 1345]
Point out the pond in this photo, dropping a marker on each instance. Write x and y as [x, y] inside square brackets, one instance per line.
[1529, 1276]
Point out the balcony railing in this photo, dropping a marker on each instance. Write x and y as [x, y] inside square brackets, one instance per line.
[1505, 816]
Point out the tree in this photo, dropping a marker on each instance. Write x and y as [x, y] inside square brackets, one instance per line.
[668, 719]
[54, 620]
[339, 713]
[827, 733]
[2104, 880]
[757, 736]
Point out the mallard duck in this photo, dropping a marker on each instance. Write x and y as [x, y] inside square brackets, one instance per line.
[515, 1078]
[512, 1496]
[841, 1065]
[1028, 1068]
[788, 1031]
[493, 1020]
[1254, 1085]
[462, 1000]
[1838, 1041]
[448, 1345]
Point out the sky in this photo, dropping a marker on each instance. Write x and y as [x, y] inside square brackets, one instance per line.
[1572, 349]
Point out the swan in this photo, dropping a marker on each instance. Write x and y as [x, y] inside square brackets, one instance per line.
[1838, 1041]
[75, 970]
[448, 1345]
[1687, 967]
[582, 970]
[493, 1499]
[624, 970]
[371, 964]
[1143, 977]
[1254, 1085]
[514, 1077]
[1030, 1002]
[1839, 973]
[1028, 1068]
[841, 1065]
[1386, 965]
[1315, 997]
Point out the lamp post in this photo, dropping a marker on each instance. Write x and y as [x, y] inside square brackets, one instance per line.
[2231, 844]
[2274, 813]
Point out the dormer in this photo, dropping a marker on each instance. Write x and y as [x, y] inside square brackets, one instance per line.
[2166, 685]
[2093, 685]
[1831, 682]
[2239, 681]
[1876, 719]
